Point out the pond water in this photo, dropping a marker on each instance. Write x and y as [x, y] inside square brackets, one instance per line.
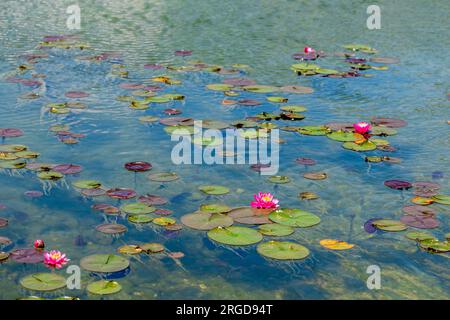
[261, 37]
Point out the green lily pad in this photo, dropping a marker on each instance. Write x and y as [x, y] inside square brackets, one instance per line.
[152, 247]
[157, 99]
[206, 221]
[219, 87]
[148, 119]
[235, 236]
[314, 130]
[366, 146]
[342, 136]
[257, 88]
[12, 164]
[27, 154]
[419, 236]
[43, 282]
[326, 71]
[282, 250]
[3, 256]
[389, 225]
[129, 249]
[277, 99]
[164, 221]
[141, 218]
[441, 198]
[379, 142]
[374, 159]
[294, 218]
[275, 230]
[87, 184]
[12, 148]
[103, 287]
[137, 208]
[207, 141]
[173, 96]
[304, 66]
[163, 176]
[104, 263]
[50, 175]
[293, 108]
[214, 208]
[214, 189]
[435, 246]
[279, 179]
[214, 124]
[267, 125]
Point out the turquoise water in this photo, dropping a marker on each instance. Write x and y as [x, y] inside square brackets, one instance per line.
[263, 35]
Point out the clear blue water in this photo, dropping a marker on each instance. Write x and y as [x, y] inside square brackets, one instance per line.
[262, 35]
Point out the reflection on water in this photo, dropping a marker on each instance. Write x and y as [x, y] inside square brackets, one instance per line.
[263, 36]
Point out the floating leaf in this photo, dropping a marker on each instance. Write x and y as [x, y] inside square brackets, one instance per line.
[3, 256]
[276, 230]
[335, 244]
[152, 247]
[441, 198]
[260, 88]
[308, 195]
[164, 221]
[282, 250]
[140, 218]
[277, 99]
[50, 175]
[163, 176]
[235, 236]
[343, 136]
[397, 184]
[104, 263]
[68, 168]
[138, 166]
[206, 221]
[388, 122]
[10, 132]
[152, 200]
[248, 215]
[3, 222]
[313, 130]
[369, 227]
[137, 208]
[296, 89]
[219, 87]
[111, 228]
[422, 201]
[121, 193]
[435, 246]
[419, 236]
[129, 249]
[12, 164]
[420, 221]
[294, 218]
[315, 175]
[86, 184]
[365, 146]
[293, 108]
[214, 208]
[27, 256]
[389, 225]
[306, 161]
[43, 282]
[214, 189]
[103, 287]
[279, 179]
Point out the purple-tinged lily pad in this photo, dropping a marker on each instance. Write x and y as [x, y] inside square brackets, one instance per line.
[33, 194]
[398, 184]
[425, 189]
[93, 192]
[121, 193]
[76, 94]
[421, 222]
[153, 66]
[177, 121]
[306, 161]
[111, 228]
[27, 256]
[249, 102]
[152, 200]
[296, 89]
[416, 210]
[183, 53]
[163, 212]
[10, 132]
[239, 82]
[68, 168]
[389, 122]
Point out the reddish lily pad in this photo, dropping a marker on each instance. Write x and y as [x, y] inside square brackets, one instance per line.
[76, 94]
[33, 194]
[111, 228]
[239, 82]
[398, 184]
[306, 161]
[138, 166]
[121, 193]
[389, 122]
[419, 210]
[3, 222]
[4, 241]
[27, 256]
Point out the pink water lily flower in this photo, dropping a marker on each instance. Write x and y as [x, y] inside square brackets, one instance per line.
[362, 127]
[264, 201]
[55, 259]
[308, 50]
